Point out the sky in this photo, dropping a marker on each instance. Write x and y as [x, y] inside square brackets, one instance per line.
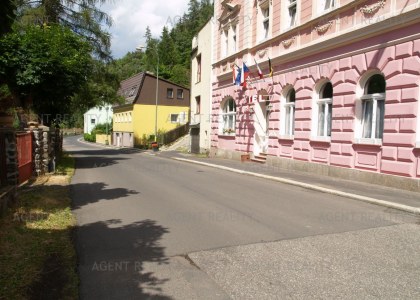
[131, 17]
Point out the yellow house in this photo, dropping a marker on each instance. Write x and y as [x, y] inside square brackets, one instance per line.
[136, 118]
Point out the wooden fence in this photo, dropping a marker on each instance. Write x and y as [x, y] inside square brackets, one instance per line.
[173, 134]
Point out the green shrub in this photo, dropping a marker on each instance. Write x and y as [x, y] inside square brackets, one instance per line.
[101, 128]
[90, 137]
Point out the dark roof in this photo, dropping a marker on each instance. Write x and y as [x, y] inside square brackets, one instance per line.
[129, 88]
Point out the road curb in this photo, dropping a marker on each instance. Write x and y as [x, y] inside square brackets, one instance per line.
[81, 140]
[406, 208]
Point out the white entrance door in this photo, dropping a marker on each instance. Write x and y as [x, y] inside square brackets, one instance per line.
[261, 128]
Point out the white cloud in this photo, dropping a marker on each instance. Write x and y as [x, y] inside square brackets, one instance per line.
[131, 17]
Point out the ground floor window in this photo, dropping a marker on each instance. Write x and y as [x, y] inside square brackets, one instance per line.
[373, 108]
[229, 117]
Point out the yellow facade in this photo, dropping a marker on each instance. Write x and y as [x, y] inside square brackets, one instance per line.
[140, 119]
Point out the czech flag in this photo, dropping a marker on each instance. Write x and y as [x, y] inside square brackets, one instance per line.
[244, 75]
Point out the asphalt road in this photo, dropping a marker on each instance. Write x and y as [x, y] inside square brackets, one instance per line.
[140, 216]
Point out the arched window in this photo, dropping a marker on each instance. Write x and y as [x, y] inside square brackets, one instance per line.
[324, 104]
[229, 117]
[289, 116]
[373, 107]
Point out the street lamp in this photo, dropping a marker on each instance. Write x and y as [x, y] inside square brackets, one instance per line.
[107, 120]
[157, 87]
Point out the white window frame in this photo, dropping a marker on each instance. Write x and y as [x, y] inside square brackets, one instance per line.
[182, 94]
[288, 115]
[327, 119]
[228, 118]
[225, 42]
[375, 98]
[177, 118]
[360, 110]
[264, 33]
[289, 4]
[321, 6]
[234, 40]
[167, 93]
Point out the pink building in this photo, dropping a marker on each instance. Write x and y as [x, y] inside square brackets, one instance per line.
[343, 98]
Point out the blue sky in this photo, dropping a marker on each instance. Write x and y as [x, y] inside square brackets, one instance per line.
[131, 17]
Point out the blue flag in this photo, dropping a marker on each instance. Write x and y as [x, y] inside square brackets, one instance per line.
[238, 77]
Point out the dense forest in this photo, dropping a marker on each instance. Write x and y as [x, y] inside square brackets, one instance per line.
[173, 47]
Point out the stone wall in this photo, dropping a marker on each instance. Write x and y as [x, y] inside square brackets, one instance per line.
[47, 146]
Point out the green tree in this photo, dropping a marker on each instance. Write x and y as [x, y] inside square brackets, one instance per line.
[44, 66]
[81, 16]
[7, 16]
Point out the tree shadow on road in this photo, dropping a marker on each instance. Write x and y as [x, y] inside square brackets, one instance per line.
[87, 193]
[112, 260]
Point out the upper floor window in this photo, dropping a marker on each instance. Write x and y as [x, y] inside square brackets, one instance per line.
[225, 43]
[289, 113]
[170, 93]
[198, 68]
[291, 13]
[324, 105]
[197, 104]
[234, 40]
[325, 5]
[264, 20]
[373, 107]
[180, 94]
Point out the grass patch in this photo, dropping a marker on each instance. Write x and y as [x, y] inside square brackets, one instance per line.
[37, 256]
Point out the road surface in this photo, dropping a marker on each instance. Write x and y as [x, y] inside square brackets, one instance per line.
[154, 228]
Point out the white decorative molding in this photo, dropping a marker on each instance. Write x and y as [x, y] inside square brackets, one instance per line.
[261, 53]
[321, 29]
[288, 42]
[373, 8]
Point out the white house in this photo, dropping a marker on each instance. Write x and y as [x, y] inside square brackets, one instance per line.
[201, 78]
[97, 115]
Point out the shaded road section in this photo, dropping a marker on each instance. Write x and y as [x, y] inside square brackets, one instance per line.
[140, 215]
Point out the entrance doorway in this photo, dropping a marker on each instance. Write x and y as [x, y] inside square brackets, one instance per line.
[261, 120]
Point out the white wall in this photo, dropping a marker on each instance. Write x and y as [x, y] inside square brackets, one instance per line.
[204, 40]
[99, 114]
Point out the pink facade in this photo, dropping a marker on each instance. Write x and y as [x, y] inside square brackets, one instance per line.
[347, 46]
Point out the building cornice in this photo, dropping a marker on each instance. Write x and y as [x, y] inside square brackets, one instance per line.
[334, 41]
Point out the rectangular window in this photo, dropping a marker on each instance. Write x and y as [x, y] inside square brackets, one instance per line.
[180, 93]
[289, 119]
[170, 93]
[265, 22]
[329, 4]
[373, 118]
[92, 121]
[324, 118]
[292, 8]
[198, 68]
[234, 39]
[174, 118]
[197, 104]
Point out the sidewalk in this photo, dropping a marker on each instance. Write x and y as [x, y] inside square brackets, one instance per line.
[381, 195]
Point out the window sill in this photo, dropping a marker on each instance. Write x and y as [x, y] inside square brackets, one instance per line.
[371, 142]
[226, 135]
[321, 139]
[286, 137]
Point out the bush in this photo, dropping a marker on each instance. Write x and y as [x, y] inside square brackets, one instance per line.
[101, 128]
[90, 137]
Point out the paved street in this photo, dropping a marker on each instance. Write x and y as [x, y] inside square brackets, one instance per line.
[154, 228]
